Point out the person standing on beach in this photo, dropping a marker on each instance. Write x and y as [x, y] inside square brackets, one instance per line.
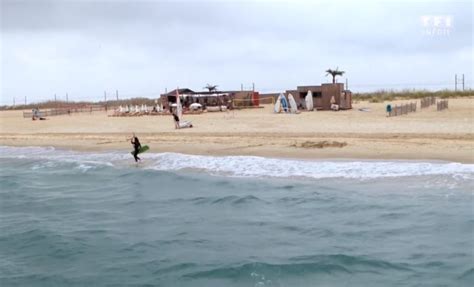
[176, 121]
[136, 147]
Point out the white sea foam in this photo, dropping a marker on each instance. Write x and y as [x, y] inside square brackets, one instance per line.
[250, 166]
[246, 166]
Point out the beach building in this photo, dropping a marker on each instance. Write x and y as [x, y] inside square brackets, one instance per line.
[324, 96]
[229, 99]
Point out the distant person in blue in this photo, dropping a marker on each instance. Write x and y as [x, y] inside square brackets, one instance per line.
[136, 147]
[389, 109]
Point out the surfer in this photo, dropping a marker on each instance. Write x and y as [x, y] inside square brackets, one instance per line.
[136, 147]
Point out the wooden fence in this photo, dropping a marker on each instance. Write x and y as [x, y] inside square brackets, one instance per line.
[65, 111]
[442, 105]
[399, 110]
[427, 102]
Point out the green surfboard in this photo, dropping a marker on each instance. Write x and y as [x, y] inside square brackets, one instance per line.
[143, 149]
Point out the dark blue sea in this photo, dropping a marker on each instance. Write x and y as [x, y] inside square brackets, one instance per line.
[97, 219]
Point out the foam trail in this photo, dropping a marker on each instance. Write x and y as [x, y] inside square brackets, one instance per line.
[248, 166]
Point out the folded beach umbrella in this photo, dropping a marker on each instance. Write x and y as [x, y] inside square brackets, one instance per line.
[292, 104]
[309, 101]
[179, 108]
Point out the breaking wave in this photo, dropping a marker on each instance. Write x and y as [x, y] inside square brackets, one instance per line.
[241, 166]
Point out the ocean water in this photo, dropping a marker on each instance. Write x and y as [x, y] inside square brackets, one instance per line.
[97, 219]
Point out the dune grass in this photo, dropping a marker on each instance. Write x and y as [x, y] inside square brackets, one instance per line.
[390, 95]
[72, 104]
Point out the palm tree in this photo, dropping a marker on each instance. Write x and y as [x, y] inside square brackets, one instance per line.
[334, 73]
[211, 88]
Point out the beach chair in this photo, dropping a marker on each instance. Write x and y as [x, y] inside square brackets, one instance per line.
[118, 112]
[142, 110]
[135, 111]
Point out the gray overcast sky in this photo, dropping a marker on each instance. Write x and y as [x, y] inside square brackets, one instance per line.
[84, 48]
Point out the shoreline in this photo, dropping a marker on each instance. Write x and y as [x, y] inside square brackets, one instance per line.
[357, 147]
[302, 159]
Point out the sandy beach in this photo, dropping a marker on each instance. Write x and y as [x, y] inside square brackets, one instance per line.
[424, 135]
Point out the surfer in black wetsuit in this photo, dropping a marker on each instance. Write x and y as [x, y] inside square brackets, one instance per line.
[136, 147]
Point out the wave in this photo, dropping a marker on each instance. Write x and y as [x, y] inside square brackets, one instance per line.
[231, 200]
[241, 166]
[309, 265]
[468, 275]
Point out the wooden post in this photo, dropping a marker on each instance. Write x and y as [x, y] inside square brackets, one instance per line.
[455, 82]
[116, 94]
[105, 100]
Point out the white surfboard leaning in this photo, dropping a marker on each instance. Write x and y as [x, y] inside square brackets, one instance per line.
[277, 107]
[179, 113]
[293, 106]
[309, 101]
